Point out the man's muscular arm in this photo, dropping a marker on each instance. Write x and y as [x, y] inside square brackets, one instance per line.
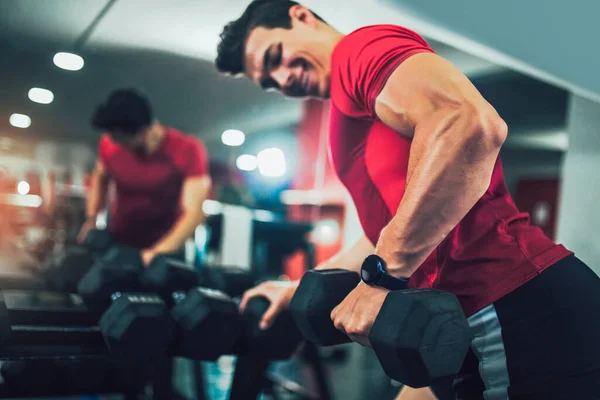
[350, 258]
[96, 199]
[195, 191]
[408, 393]
[456, 137]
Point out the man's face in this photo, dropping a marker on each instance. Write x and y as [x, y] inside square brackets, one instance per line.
[134, 143]
[294, 61]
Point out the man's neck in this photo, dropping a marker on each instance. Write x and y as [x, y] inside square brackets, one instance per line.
[155, 138]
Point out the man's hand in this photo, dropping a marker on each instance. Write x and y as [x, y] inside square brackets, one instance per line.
[279, 294]
[356, 314]
[87, 226]
[147, 256]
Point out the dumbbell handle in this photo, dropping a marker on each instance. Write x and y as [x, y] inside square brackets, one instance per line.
[318, 293]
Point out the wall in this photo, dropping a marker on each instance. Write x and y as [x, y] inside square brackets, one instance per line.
[529, 163]
[552, 38]
[579, 217]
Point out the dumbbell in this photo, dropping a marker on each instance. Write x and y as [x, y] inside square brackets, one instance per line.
[419, 335]
[122, 269]
[118, 270]
[64, 271]
[166, 275]
[203, 325]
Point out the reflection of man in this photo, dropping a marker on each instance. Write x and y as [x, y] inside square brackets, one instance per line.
[417, 147]
[160, 175]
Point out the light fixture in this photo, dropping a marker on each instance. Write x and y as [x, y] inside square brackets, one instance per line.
[271, 162]
[42, 96]
[246, 162]
[233, 137]
[23, 188]
[68, 61]
[20, 121]
[327, 231]
[212, 207]
[28, 200]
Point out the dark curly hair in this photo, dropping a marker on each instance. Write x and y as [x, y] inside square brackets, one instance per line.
[269, 14]
[125, 110]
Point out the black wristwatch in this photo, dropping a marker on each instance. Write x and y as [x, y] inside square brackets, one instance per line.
[373, 273]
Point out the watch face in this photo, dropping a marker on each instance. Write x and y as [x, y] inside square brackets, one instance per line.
[371, 270]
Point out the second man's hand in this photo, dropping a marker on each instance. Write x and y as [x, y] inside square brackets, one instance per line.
[147, 256]
[279, 294]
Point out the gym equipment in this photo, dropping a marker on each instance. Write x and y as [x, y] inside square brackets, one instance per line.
[276, 343]
[230, 280]
[203, 325]
[47, 325]
[18, 373]
[117, 271]
[63, 271]
[44, 378]
[137, 327]
[166, 275]
[57, 333]
[98, 241]
[420, 335]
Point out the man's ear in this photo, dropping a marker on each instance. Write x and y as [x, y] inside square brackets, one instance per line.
[302, 15]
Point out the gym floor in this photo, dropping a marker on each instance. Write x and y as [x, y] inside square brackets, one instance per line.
[357, 377]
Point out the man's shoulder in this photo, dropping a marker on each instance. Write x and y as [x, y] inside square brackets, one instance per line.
[183, 143]
[106, 146]
[179, 137]
[366, 35]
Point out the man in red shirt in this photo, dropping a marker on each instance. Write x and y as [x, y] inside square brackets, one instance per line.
[417, 147]
[160, 177]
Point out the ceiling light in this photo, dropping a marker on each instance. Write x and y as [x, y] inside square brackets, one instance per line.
[271, 162]
[20, 121]
[233, 137]
[42, 96]
[23, 188]
[68, 61]
[246, 162]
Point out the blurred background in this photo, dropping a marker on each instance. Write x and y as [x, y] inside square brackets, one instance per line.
[533, 61]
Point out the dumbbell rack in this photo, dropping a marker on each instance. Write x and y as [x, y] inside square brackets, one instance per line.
[36, 326]
[68, 329]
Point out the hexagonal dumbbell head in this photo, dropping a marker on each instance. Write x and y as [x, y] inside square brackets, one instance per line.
[276, 343]
[98, 241]
[137, 327]
[209, 324]
[165, 275]
[118, 271]
[319, 292]
[420, 335]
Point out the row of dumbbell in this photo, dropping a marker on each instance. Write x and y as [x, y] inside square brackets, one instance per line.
[419, 335]
[203, 324]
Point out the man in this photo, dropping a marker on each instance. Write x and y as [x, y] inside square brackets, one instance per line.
[417, 147]
[160, 176]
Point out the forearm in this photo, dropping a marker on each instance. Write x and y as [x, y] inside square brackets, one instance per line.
[408, 393]
[184, 228]
[96, 199]
[452, 160]
[350, 258]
